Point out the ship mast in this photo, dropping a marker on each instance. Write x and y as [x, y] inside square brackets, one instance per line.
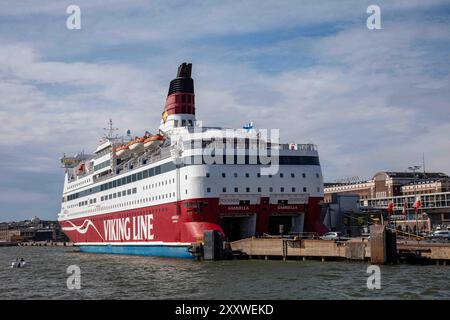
[110, 132]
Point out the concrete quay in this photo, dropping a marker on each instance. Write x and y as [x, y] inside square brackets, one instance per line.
[382, 248]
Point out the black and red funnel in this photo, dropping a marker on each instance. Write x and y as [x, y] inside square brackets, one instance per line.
[180, 98]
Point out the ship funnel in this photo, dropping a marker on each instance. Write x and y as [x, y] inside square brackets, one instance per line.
[179, 110]
[184, 70]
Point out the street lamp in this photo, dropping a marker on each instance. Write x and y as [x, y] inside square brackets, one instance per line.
[414, 169]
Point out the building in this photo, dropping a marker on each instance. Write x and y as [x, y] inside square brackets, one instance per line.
[427, 186]
[401, 188]
[3, 231]
[28, 233]
[31, 230]
[363, 189]
[45, 235]
[341, 207]
[391, 184]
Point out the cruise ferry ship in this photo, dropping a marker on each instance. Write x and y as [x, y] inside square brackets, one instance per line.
[158, 193]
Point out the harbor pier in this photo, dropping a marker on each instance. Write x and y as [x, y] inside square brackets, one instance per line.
[381, 248]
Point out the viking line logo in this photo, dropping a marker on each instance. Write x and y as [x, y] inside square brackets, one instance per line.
[83, 228]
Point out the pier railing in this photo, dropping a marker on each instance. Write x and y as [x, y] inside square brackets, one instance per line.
[293, 235]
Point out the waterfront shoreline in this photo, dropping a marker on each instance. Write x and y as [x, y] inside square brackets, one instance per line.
[45, 244]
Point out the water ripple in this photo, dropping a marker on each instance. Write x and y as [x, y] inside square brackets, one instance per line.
[134, 277]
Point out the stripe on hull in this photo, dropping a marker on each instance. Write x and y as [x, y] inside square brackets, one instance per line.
[169, 251]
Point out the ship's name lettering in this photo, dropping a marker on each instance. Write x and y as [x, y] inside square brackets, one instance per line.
[134, 229]
[287, 207]
[239, 208]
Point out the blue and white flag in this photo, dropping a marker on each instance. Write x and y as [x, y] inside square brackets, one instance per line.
[248, 127]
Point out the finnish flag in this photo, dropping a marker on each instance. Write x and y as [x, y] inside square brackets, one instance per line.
[248, 127]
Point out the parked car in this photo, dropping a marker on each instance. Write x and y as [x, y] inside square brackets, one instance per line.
[441, 234]
[331, 236]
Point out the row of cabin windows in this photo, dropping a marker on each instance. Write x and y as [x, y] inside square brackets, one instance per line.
[165, 167]
[124, 193]
[71, 186]
[134, 202]
[282, 189]
[135, 212]
[134, 190]
[159, 184]
[145, 200]
[258, 175]
[84, 203]
[119, 194]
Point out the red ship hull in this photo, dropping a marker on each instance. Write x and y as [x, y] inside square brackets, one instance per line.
[170, 229]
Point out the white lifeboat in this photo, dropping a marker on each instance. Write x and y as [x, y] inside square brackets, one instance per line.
[153, 141]
[122, 151]
[136, 144]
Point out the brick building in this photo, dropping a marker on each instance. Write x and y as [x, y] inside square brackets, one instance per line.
[399, 188]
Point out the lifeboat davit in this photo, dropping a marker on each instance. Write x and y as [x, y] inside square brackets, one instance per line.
[136, 144]
[122, 151]
[153, 141]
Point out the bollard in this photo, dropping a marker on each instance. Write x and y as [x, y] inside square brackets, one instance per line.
[378, 244]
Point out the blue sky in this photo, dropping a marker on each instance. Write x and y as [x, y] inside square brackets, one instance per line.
[370, 99]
